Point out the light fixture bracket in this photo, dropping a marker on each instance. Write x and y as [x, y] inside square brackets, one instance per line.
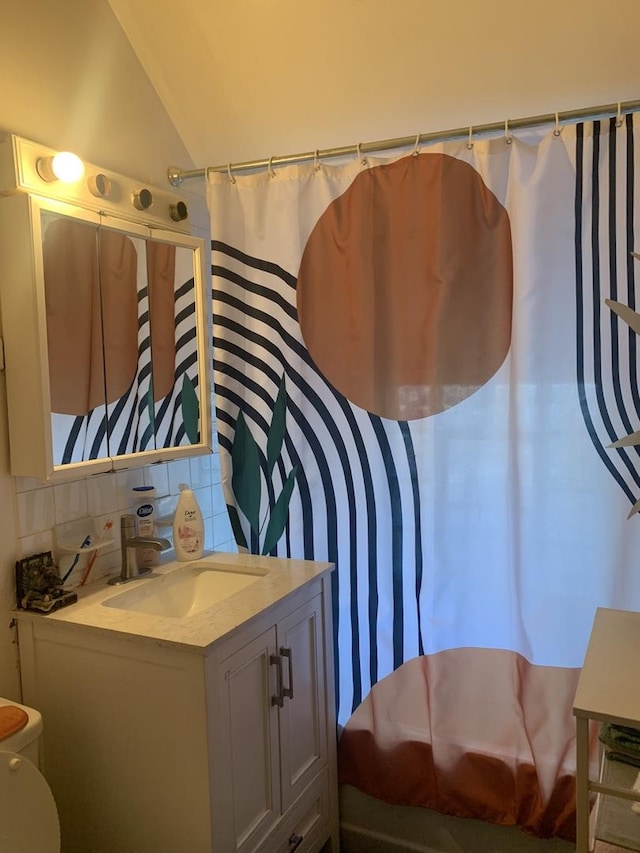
[27, 166]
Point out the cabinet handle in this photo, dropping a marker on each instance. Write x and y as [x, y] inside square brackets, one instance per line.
[278, 699]
[295, 841]
[286, 653]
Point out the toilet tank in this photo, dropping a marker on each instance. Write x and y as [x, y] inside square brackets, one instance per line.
[27, 740]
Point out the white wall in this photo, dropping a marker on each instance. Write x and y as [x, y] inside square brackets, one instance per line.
[70, 80]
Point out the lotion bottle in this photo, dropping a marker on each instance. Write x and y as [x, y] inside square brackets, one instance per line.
[188, 527]
[144, 497]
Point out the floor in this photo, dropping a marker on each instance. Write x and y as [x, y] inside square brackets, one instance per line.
[370, 826]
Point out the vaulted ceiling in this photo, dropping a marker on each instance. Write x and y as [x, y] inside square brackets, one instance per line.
[248, 79]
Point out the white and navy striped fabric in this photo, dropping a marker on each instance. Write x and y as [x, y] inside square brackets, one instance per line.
[500, 522]
[124, 426]
[607, 166]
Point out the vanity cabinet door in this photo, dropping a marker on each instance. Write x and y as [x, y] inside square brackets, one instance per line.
[247, 798]
[303, 726]
[272, 730]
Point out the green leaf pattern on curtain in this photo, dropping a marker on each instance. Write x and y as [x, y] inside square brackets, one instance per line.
[190, 409]
[236, 526]
[246, 479]
[279, 513]
[277, 429]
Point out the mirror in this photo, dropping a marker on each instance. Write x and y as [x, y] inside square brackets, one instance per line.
[123, 340]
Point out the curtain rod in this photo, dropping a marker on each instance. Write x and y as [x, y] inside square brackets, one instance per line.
[176, 175]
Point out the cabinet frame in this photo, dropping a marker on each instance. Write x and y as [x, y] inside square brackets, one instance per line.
[102, 692]
[24, 322]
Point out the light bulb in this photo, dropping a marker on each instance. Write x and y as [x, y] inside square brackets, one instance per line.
[65, 167]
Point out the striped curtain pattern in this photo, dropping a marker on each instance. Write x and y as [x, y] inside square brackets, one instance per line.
[348, 507]
[135, 421]
[473, 508]
[607, 347]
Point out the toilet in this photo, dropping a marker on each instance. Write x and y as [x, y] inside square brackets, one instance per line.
[28, 817]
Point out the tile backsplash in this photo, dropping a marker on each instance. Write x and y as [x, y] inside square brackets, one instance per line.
[47, 513]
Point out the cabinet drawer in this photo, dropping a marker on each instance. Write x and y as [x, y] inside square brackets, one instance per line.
[305, 827]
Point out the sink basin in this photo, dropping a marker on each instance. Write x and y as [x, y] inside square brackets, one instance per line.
[185, 591]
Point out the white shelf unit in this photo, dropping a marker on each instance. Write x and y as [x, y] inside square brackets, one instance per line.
[608, 692]
[615, 822]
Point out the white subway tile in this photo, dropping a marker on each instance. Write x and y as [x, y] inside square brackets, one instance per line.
[27, 484]
[102, 494]
[35, 511]
[222, 531]
[126, 480]
[219, 504]
[109, 533]
[35, 544]
[165, 510]
[208, 534]
[215, 468]
[203, 496]
[70, 501]
[158, 477]
[200, 471]
[179, 472]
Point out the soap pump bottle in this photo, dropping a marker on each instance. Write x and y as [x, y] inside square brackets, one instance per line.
[188, 527]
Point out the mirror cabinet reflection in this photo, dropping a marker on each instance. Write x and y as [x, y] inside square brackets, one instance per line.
[105, 340]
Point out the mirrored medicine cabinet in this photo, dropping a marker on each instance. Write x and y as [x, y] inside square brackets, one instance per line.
[107, 354]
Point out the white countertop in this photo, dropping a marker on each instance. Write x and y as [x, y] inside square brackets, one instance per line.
[199, 631]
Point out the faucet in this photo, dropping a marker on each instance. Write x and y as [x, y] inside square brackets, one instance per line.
[129, 542]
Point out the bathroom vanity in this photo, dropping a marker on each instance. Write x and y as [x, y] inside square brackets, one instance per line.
[175, 722]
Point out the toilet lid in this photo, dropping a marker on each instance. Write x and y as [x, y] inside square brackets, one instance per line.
[12, 719]
[28, 816]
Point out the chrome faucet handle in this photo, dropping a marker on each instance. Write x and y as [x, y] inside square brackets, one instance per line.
[127, 526]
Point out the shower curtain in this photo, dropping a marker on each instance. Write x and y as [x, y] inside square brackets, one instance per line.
[417, 378]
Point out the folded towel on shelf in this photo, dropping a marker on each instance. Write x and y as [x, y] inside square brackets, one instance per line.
[622, 743]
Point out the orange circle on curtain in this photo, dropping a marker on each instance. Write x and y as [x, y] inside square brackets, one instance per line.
[405, 287]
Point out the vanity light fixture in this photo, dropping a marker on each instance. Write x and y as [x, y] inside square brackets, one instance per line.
[178, 212]
[99, 185]
[64, 166]
[143, 199]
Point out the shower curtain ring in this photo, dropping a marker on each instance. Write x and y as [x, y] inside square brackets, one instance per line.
[317, 165]
[272, 171]
[362, 159]
[507, 135]
[556, 131]
[619, 118]
[470, 140]
[232, 177]
[416, 149]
